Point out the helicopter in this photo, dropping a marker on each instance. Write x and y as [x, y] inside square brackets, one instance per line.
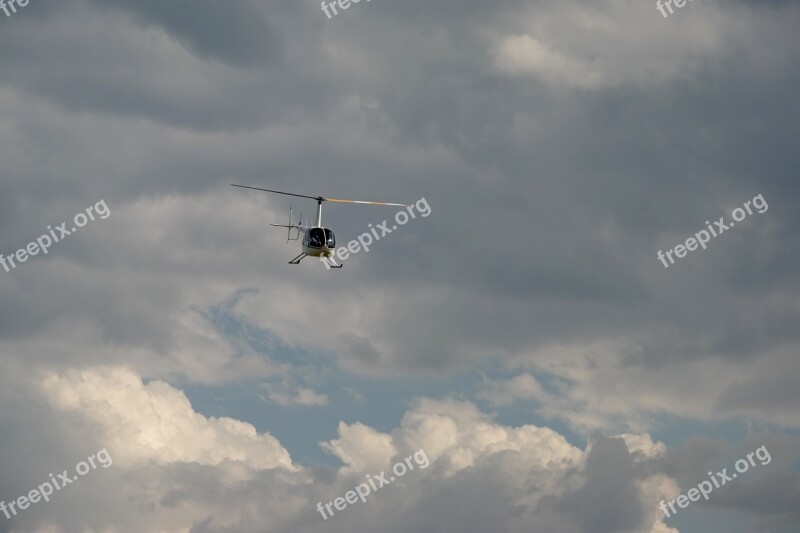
[318, 241]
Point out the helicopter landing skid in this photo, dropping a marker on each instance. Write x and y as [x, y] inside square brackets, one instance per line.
[330, 262]
[296, 260]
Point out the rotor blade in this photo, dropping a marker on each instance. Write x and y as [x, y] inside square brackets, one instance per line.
[361, 202]
[277, 192]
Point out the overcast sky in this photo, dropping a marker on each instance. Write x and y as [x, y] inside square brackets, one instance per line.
[525, 334]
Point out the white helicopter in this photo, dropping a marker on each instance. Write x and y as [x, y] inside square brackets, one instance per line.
[318, 241]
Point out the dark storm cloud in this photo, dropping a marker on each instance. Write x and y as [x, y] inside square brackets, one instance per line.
[608, 502]
[559, 199]
[203, 71]
[235, 32]
[768, 491]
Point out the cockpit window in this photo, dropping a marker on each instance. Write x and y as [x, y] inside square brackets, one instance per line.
[319, 237]
[316, 237]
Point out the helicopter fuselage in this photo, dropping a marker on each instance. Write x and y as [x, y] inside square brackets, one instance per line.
[318, 242]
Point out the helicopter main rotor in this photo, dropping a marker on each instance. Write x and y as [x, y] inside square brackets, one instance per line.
[319, 199]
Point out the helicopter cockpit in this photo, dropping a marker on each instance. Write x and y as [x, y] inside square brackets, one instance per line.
[319, 237]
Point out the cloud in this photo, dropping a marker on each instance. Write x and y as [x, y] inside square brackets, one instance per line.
[184, 470]
[361, 448]
[302, 396]
[156, 422]
[523, 54]
[521, 387]
[616, 43]
[519, 477]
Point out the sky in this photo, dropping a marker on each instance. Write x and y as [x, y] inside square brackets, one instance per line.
[594, 312]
